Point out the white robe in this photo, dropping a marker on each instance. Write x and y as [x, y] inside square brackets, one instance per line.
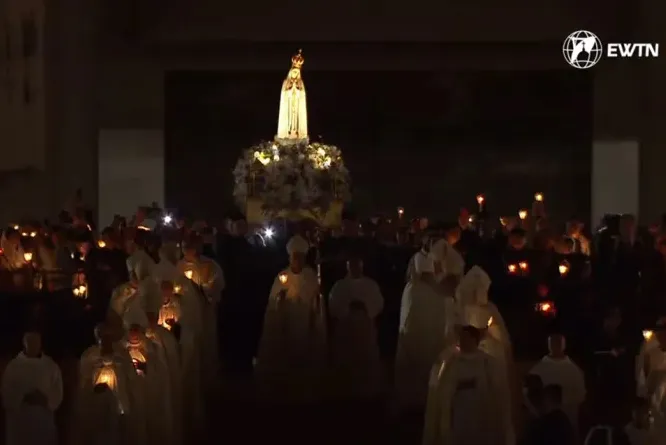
[356, 358]
[427, 321]
[650, 359]
[28, 424]
[156, 387]
[474, 403]
[121, 296]
[141, 264]
[208, 275]
[569, 376]
[292, 350]
[169, 350]
[127, 390]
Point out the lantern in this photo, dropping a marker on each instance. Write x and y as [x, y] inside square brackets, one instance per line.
[647, 335]
[107, 376]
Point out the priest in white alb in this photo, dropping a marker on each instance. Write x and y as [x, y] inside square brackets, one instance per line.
[556, 368]
[427, 320]
[108, 364]
[651, 357]
[31, 392]
[472, 405]
[208, 276]
[290, 360]
[355, 302]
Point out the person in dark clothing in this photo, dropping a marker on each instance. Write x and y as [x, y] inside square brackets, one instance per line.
[552, 427]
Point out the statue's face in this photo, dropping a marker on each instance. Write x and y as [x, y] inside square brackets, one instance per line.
[294, 74]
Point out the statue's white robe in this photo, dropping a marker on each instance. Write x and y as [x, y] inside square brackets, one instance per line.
[293, 114]
[128, 393]
[156, 387]
[208, 275]
[169, 351]
[426, 327]
[474, 403]
[26, 424]
[650, 358]
[569, 376]
[357, 363]
[292, 350]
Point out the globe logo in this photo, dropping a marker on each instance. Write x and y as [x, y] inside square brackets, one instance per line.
[582, 49]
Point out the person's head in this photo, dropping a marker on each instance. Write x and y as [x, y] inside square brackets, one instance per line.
[32, 343]
[167, 291]
[134, 334]
[355, 267]
[517, 239]
[574, 228]
[192, 248]
[557, 345]
[452, 234]
[470, 337]
[552, 397]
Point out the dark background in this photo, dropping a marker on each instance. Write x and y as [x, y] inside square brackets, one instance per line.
[428, 141]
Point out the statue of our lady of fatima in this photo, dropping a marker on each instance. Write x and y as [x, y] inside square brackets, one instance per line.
[293, 118]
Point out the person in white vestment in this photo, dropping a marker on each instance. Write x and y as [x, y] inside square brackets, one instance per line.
[153, 373]
[473, 404]
[292, 349]
[453, 264]
[355, 302]
[208, 276]
[640, 430]
[31, 393]
[426, 245]
[651, 357]
[13, 255]
[556, 368]
[427, 321]
[182, 303]
[109, 363]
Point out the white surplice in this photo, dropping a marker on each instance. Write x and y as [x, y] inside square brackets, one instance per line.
[474, 403]
[121, 295]
[650, 358]
[356, 358]
[292, 350]
[569, 376]
[128, 393]
[156, 387]
[427, 322]
[140, 264]
[209, 277]
[31, 424]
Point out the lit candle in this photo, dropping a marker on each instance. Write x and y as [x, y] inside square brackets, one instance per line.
[522, 214]
[523, 266]
[106, 376]
[547, 307]
[33, 234]
[563, 268]
[502, 221]
[647, 335]
[490, 321]
[189, 274]
[283, 278]
[177, 289]
[512, 268]
[480, 199]
[27, 256]
[401, 212]
[538, 197]
[101, 244]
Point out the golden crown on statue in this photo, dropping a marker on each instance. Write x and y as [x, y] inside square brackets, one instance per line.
[297, 60]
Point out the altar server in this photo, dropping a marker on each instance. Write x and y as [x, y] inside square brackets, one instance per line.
[292, 347]
[426, 326]
[31, 392]
[355, 302]
[556, 368]
[473, 398]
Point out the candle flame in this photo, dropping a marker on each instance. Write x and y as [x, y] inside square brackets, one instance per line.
[547, 307]
[283, 278]
[401, 211]
[480, 199]
[177, 289]
[512, 268]
[563, 268]
[490, 321]
[647, 334]
[523, 265]
[538, 197]
[27, 256]
[189, 274]
[101, 244]
[522, 214]
[33, 234]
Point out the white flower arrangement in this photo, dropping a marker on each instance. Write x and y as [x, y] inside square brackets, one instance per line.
[300, 176]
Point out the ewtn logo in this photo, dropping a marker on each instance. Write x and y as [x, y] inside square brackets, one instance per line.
[583, 49]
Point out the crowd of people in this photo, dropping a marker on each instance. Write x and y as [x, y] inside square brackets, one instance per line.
[430, 321]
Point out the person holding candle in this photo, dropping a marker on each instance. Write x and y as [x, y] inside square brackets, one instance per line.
[355, 302]
[292, 346]
[31, 393]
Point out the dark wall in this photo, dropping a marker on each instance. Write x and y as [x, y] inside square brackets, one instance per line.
[428, 141]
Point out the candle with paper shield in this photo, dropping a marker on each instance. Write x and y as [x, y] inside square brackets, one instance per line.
[647, 335]
[189, 274]
[283, 277]
[138, 359]
[546, 308]
[563, 268]
[538, 197]
[27, 256]
[106, 376]
[512, 268]
[523, 266]
[101, 244]
[522, 214]
[480, 200]
[168, 316]
[401, 212]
